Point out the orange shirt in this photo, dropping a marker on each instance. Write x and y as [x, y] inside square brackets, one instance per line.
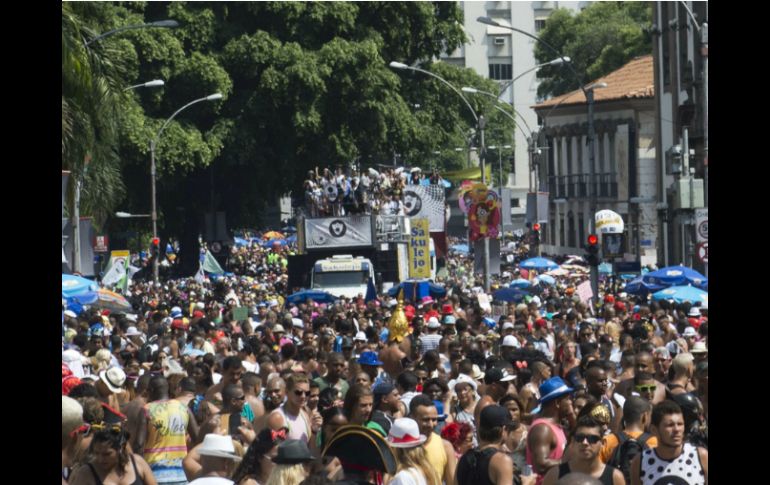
[611, 442]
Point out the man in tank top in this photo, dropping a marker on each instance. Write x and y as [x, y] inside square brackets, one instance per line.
[674, 460]
[293, 413]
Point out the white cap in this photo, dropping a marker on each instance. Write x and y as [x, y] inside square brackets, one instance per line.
[360, 336]
[507, 325]
[70, 314]
[689, 332]
[694, 312]
[200, 305]
[510, 341]
[433, 322]
[272, 303]
[297, 322]
[131, 317]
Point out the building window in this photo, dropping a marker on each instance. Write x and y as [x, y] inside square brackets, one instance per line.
[515, 203]
[581, 230]
[561, 241]
[539, 25]
[501, 71]
[571, 233]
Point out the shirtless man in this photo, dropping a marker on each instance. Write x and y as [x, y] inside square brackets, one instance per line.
[643, 363]
[497, 383]
[276, 394]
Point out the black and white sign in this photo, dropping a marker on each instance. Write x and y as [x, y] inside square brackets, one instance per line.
[337, 232]
[426, 201]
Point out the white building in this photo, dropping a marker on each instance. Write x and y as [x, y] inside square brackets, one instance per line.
[501, 54]
[680, 50]
[625, 162]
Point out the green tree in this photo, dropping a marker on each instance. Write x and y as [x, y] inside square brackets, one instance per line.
[600, 39]
[305, 84]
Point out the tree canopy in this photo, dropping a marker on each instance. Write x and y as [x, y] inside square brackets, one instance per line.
[304, 84]
[600, 39]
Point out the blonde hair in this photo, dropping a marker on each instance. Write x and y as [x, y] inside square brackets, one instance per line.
[416, 458]
[287, 475]
[613, 330]
[101, 360]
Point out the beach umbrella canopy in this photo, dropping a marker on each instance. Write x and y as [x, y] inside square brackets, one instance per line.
[545, 279]
[676, 276]
[273, 242]
[605, 268]
[75, 285]
[509, 295]
[272, 235]
[520, 283]
[416, 290]
[103, 299]
[681, 294]
[637, 286]
[460, 248]
[538, 264]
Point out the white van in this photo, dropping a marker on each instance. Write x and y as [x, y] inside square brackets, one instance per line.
[342, 275]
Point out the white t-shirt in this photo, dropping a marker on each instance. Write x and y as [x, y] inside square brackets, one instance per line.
[410, 476]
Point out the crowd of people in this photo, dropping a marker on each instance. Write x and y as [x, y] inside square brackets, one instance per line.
[337, 193]
[221, 381]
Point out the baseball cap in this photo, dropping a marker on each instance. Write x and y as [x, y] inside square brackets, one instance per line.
[689, 332]
[449, 320]
[496, 374]
[433, 322]
[510, 341]
[507, 325]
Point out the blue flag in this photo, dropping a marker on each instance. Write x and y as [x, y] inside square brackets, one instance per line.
[371, 291]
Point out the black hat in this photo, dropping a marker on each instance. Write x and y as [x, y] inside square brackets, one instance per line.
[382, 390]
[493, 416]
[360, 448]
[111, 416]
[291, 452]
[496, 374]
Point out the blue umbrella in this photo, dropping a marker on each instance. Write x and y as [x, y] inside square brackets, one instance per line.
[605, 268]
[538, 264]
[240, 242]
[292, 239]
[681, 294]
[546, 279]
[270, 243]
[72, 285]
[316, 295]
[460, 248]
[628, 276]
[676, 276]
[639, 287]
[289, 229]
[520, 283]
[509, 295]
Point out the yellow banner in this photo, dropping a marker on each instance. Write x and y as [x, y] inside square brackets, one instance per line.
[419, 249]
[473, 173]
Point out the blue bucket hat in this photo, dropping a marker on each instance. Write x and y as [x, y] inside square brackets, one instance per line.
[369, 358]
[552, 389]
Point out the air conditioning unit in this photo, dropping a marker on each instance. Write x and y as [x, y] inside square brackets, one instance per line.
[499, 40]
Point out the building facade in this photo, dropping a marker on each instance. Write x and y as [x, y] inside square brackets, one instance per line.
[500, 54]
[624, 163]
[680, 50]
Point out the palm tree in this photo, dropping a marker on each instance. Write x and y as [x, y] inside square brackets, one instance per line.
[91, 98]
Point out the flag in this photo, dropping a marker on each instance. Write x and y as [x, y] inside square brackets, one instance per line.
[200, 276]
[371, 291]
[115, 275]
[211, 265]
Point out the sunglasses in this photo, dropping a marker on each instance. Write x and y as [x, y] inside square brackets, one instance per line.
[299, 393]
[650, 388]
[591, 438]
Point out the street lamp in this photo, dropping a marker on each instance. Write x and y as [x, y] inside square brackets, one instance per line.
[148, 84]
[153, 143]
[126, 215]
[589, 94]
[500, 162]
[168, 24]
[481, 121]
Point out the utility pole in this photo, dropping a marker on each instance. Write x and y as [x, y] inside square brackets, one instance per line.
[592, 186]
[483, 156]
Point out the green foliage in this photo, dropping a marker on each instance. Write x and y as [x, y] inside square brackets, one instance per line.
[305, 84]
[599, 40]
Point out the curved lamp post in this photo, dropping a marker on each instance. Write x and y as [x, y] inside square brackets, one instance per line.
[588, 91]
[168, 24]
[481, 121]
[153, 144]
[555, 62]
[149, 84]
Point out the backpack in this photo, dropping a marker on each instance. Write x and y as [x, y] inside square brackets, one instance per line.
[626, 450]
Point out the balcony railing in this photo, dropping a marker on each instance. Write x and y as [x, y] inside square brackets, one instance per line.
[579, 187]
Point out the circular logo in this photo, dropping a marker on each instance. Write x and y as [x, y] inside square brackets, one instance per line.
[412, 203]
[331, 192]
[337, 228]
[703, 229]
[216, 247]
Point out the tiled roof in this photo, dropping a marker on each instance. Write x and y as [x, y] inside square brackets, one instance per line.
[634, 80]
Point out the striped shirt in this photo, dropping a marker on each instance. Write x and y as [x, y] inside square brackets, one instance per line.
[166, 444]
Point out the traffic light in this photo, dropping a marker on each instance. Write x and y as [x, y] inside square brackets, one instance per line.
[592, 247]
[536, 232]
[155, 247]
